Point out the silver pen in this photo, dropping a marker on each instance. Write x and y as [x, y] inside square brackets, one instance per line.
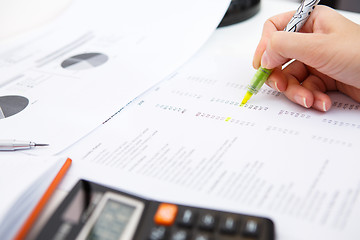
[301, 16]
[12, 145]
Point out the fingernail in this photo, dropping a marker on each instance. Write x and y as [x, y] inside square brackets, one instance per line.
[301, 100]
[273, 85]
[265, 60]
[276, 87]
[321, 105]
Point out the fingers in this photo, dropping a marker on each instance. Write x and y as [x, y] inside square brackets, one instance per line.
[326, 49]
[318, 21]
[311, 49]
[277, 80]
[297, 93]
[302, 86]
[307, 87]
[276, 47]
[319, 100]
[309, 94]
[273, 24]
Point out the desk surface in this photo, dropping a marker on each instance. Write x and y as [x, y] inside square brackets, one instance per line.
[20, 13]
[237, 39]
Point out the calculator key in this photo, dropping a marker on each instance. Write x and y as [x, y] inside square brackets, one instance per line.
[166, 214]
[228, 225]
[251, 228]
[157, 233]
[186, 218]
[200, 236]
[180, 235]
[207, 222]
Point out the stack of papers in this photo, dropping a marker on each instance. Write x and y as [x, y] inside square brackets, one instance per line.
[22, 183]
[64, 79]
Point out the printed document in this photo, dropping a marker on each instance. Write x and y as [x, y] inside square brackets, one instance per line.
[188, 141]
[62, 80]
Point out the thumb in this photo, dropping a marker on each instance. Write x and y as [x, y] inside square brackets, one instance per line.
[305, 47]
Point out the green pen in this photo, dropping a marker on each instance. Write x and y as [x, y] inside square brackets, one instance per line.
[260, 77]
[295, 24]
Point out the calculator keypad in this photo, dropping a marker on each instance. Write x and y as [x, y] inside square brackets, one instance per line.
[186, 218]
[228, 225]
[190, 223]
[207, 222]
[166, 214]
[157, 233]
[155, 221]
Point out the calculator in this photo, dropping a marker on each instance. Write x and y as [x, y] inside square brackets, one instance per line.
[95, 212]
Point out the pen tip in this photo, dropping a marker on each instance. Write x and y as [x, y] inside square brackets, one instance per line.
[41, 144]
[246, 98]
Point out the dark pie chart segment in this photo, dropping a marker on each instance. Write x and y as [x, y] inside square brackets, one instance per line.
[84, 61]
[11, 105]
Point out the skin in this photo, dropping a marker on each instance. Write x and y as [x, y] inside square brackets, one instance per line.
[327, 53]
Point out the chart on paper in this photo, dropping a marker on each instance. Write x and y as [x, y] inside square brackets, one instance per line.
[11, 105]
[84, 61]
[60, 67]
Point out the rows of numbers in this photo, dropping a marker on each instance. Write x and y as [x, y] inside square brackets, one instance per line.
[341, 123]
[255, 107]
[171, 108]
[264, 91]
[236, 85]
[203, 80]
[225, 101]
[294, 114]
[282, 130]
[225, 119]
[346, 106]
[331, 141]
[269, 92]
[237, 104]
[186, 94]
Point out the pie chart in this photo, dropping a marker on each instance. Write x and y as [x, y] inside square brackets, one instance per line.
[11, 105]
[84, 61]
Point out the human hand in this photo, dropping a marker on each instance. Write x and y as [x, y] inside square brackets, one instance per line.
[327, 53]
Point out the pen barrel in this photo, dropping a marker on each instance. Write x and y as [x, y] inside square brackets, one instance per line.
[301, 15]
[14, 145]
[260, 77]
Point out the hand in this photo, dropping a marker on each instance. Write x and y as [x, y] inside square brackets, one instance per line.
[327, 53]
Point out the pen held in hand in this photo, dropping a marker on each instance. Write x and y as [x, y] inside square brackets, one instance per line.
[294, 25]
[12, 145]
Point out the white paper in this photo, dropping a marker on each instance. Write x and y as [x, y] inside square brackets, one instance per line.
[65, 92]
[189, 141]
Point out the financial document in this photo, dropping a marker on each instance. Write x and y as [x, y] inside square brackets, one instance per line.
[65, 78]
[188, 141]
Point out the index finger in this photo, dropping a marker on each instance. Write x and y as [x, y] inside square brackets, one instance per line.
[273, 24]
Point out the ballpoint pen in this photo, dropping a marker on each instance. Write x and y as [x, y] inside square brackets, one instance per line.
[294, 25]
[12, 145]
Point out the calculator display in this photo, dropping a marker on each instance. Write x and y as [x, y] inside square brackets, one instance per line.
[111, 222]
[115, 218]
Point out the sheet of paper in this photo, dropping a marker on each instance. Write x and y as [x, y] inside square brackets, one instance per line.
[62, 80]
[189, 141]
[23, 181]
